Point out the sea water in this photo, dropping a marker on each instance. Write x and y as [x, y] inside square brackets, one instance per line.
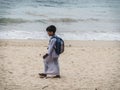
[74, 19]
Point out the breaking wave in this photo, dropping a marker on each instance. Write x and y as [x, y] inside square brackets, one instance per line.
[11, 20]
[54, 20]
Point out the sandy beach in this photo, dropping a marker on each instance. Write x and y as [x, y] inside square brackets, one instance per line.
[85, 65]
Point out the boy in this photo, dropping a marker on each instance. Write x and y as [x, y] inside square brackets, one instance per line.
[51, 65]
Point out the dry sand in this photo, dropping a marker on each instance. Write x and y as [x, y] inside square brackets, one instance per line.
[85, 65]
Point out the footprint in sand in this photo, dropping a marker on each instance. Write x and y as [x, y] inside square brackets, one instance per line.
[2, 56]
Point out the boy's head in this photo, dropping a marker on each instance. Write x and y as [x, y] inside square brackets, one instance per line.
[51, 30]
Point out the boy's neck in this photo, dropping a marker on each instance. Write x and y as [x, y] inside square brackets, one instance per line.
[53, 35]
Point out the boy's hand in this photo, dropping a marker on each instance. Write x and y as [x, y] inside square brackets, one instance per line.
[45, 56]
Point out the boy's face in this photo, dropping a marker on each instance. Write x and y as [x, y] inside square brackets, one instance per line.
[50, 33]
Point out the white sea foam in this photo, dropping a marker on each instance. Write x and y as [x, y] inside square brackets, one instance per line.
[66, 36]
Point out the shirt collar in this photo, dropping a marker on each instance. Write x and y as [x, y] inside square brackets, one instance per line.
[52, 36]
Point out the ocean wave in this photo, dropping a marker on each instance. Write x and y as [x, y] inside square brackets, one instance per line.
[72, 20]
[89, 19]
[67, 20]
[34, 14]
[11, 20]
[54, 20]
[51, 3]
[19, 20]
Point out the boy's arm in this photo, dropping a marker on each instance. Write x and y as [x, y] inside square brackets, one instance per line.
[51, 46]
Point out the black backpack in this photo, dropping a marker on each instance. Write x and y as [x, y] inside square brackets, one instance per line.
[59, 45]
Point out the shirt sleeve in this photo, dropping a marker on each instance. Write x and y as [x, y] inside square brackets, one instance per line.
[51, 45]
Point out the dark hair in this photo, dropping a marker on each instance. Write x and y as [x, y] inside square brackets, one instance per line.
[51, 28]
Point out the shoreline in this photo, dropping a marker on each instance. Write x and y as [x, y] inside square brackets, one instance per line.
[68, 43]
